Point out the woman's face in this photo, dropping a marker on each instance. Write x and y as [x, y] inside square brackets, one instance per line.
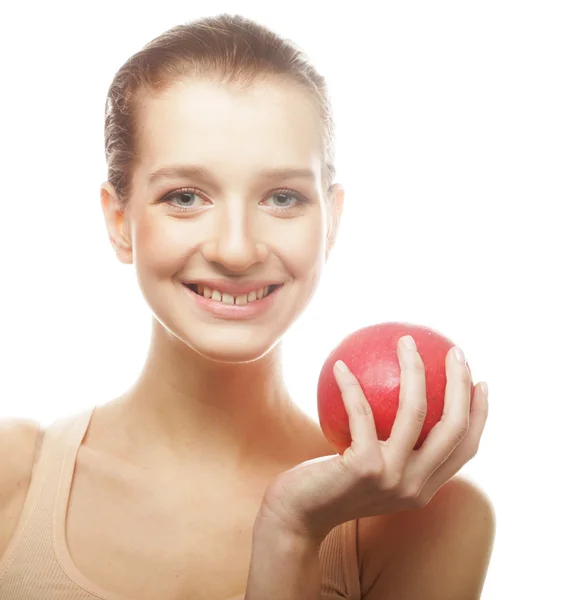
[207, 212]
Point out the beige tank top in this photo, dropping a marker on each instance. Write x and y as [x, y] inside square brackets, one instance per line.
[38, 566]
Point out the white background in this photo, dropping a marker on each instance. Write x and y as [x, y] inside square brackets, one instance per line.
[457, 147]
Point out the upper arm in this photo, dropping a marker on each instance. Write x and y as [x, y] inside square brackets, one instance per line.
[439, 552]
[20, 441]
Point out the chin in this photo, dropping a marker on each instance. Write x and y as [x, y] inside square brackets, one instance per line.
[233, 356]
[220, 343]
[231, 349]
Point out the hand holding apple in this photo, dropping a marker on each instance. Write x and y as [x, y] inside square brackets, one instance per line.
[372, 476]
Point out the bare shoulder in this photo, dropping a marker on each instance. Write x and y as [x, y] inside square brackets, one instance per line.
[20, 441]
[448, 543]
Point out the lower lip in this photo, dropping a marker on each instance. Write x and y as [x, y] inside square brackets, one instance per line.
[233, 311]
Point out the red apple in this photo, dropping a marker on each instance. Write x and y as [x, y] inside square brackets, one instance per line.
[371, 354]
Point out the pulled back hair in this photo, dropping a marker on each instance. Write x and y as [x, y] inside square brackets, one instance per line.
[228, 49]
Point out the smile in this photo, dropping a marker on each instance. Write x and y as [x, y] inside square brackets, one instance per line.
[229, 299]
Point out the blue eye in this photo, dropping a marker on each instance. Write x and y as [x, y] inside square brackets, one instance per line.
[288, 199]
[189, 194]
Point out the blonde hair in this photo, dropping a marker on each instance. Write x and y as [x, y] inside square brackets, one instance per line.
[228, 49]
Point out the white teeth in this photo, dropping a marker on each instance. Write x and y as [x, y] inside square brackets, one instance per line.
[226, 298]
[229, 299]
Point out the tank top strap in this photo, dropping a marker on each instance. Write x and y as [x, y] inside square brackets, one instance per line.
[49, 484]
[56, 460]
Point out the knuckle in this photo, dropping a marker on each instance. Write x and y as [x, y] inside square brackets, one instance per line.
[463, 375]
[394, 480]
[473, 450]
[416, 364]
[363, 408]
[423, 500]
[418, 502]
[413, 362]
[460, 428]
[370, 471]
[352, 385]
[369, 477]
[411, 492]
[420, 412]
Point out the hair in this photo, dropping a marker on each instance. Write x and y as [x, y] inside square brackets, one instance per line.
[228, 49]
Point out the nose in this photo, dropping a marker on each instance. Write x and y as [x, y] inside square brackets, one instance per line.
[233, 239]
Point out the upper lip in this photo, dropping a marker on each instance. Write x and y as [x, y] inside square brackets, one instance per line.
[235, 288]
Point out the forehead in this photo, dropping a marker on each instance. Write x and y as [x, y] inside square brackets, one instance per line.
[266, 124]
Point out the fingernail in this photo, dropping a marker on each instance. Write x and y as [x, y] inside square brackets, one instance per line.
[485, 389]
[340, 365]
[459, 355]
[409, 342]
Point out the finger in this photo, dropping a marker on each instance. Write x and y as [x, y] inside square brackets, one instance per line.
[468, 448]
[412, 404]
[361, 419]
[454, 424]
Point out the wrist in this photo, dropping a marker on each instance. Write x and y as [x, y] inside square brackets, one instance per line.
[274, 518]
[272, 523]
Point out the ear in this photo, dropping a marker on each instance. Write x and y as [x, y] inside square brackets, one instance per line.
[335, 208]
[116, 222]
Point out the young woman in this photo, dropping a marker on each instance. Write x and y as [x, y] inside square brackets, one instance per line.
[205, 480]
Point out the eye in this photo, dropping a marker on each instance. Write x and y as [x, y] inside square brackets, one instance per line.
[286, 199]
[189, 195]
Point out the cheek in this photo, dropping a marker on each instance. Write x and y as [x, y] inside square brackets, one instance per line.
[303, 247]
[160, 245]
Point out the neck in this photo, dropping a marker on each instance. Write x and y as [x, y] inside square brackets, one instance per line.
[184, 407]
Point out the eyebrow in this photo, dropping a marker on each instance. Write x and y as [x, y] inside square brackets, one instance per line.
[174, 171]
